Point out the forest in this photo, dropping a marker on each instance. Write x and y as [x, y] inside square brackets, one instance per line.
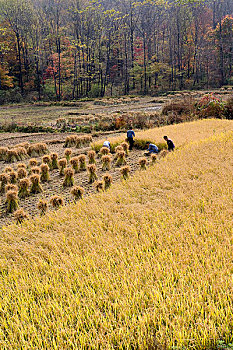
[57, 50]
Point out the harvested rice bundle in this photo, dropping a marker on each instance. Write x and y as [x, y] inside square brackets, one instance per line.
[33, 162]
[56, 201]
[47, 160]
[42, 206]
[35, 170]
[104, 151]
[125, 147]
[91, 157]
[11, 187]
[12, 201]
[153, 158]
[125, 170]
[69, 177]
[70, 141]
[37, 149]
[21, 173]
[24, 145]
[54, 158]
[8, 169]
[163, 153]
[13, 177]
[92, 173]
[120, 158]
[3, 153]
[143, 163]
[82, 162]
[21, 165]
[99, 186]
[107, 181]
[12, 156]
[21, 153]
[74, 163]
[77, 192]
[62, 164]
[67, 154]
[119, 149]
[20, 215]
[44, 177]
[106, 162]
[24, 188]
[35, 184]
[4, 178]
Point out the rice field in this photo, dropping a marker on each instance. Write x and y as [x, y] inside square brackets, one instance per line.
[145, 265]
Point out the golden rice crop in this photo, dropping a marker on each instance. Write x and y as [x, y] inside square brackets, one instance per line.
[145, 265]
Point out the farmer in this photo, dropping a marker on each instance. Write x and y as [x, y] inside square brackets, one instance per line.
[130, 136]
[151, 149]
[106, 144]
[170, 144]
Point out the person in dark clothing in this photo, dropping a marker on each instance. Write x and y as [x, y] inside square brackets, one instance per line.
[170, 144]
[130, 136]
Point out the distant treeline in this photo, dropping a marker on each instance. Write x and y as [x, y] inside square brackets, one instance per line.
[68, 49]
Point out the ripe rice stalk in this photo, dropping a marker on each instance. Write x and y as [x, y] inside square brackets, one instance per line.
[92, 173]
[82, 162]
[74, 163]
[54, 158]
[125, 171]
[125, 147]
[20, 215]
[120, 158]
[21, 173]
[44, 169]
[106, 162]
[56, 201]
[69, 177]
[35, 184]
[42, 206]
[62, 164]
[91, 157]
[99, 186]
[143, 163]
[3, 153]
[24, 188]
[107, 181]
[13, 177]
[77, 192]
[4, 179]
[67, 154]
[12, 201]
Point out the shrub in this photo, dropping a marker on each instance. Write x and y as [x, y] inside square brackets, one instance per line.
[13, 177]
[62, 164]
[99, 186]
[143, 163]
[92, 173]
[24, 188]
[120, 158]
[107, 181]
[74, 163]
[35, 184]
[44, 177]
[125, 170]
[125, 147]
[77, 192]
[210, 106]
[42, 206]
[67, 154]
[91, 157]
[4, 178]
[69, 177]
[56, 201]
[12, 201]
[54, 158]
[106, 162]
[229, 108]
[20, 215]
[82, 162]
[21, 173]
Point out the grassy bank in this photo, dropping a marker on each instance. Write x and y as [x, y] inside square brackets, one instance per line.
[147, 263]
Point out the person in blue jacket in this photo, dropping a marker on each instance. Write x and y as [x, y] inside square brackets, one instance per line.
[151, 149]
[130, 138]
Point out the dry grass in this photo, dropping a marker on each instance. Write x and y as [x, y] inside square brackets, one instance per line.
[146, 263]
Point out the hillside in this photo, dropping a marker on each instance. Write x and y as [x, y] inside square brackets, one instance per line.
[146, 264]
